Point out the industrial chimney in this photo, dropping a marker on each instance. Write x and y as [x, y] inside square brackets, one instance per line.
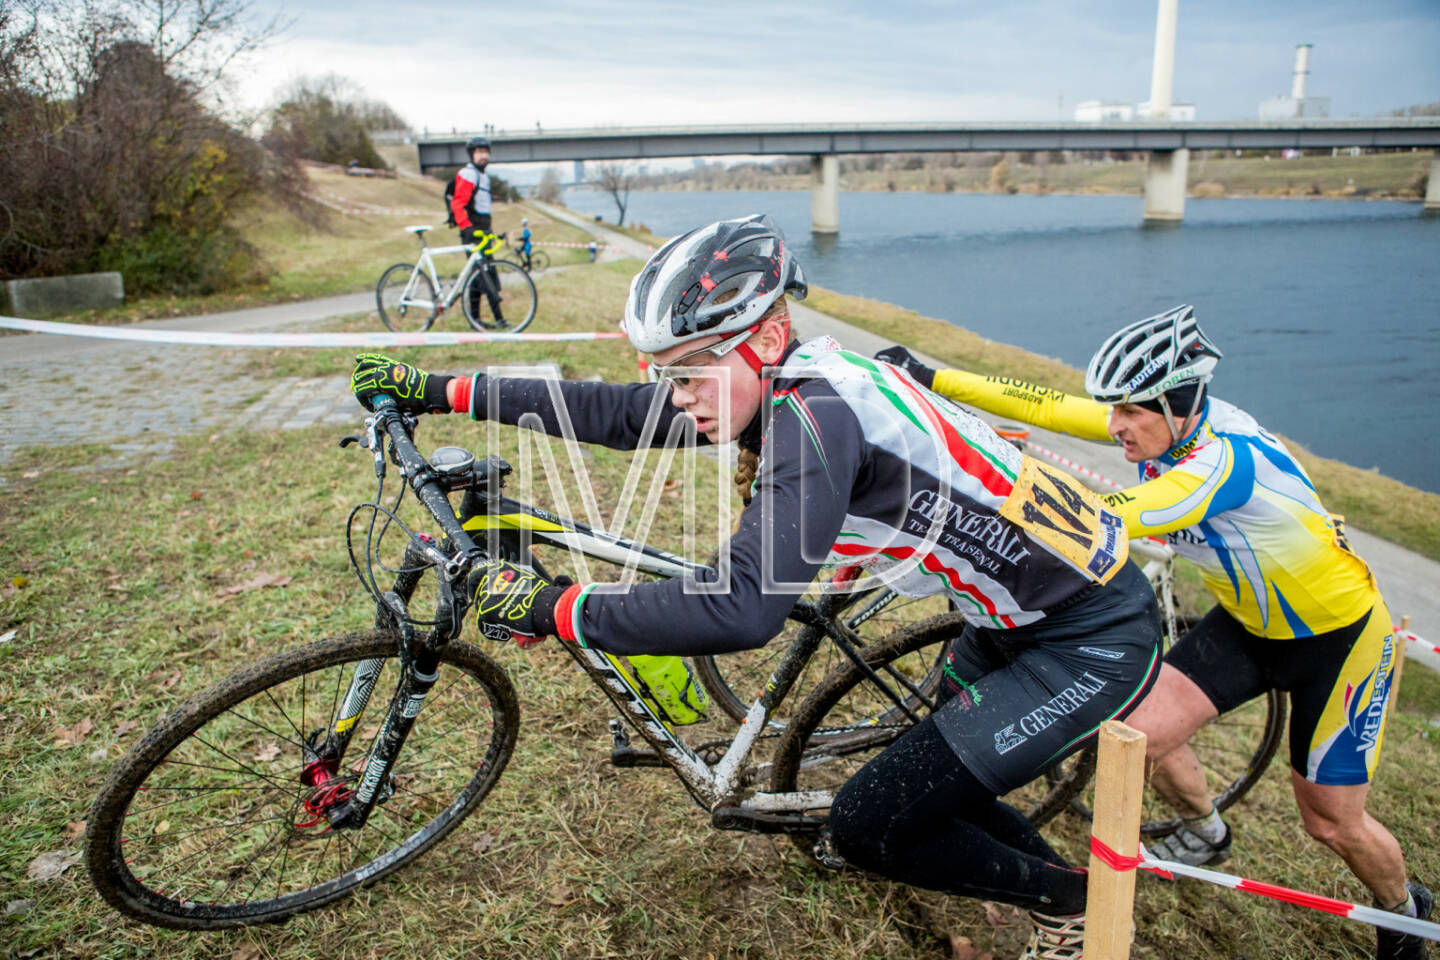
[1302, 71]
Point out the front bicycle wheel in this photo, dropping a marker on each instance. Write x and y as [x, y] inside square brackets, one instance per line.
[735, 680]
[406, 299]
[500, 298]
[204, 823]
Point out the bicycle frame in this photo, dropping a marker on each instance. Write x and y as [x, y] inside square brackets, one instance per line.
[509, 528]
[479, 253]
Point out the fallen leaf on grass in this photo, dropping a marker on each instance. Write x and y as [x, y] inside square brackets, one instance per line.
[125, 726]
[48, 866]
[165, 680]
[248, 951]
[482, 843]
[7, 637]
[263, 580]
[74, 830]
[268, 753]
[30, 474]
[1000, 915]
[19, 580]
[18, 908]
[70, 736]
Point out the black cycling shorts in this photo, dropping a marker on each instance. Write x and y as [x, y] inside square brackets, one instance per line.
[1339, 686]
[1017, 701]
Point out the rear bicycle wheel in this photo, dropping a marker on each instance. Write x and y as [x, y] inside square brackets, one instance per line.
[203, 824]
[406, 299]
[735, 680]
[848, 719]
[500, 298]
[539, 260]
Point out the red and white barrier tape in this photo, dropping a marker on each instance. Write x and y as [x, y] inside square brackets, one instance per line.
[1374, 916]
[1419, 642]
[222, 339]
[1071, 464]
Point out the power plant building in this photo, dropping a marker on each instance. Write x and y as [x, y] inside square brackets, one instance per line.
[1297, 106]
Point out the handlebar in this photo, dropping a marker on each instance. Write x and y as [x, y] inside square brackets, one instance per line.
[423, 478]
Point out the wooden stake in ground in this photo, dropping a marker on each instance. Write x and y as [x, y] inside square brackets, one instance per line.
[1119, 789]
[1400, 644]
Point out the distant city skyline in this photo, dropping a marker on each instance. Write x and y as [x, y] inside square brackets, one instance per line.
[444, 65]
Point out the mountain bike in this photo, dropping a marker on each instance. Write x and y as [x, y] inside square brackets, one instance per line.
[323, 768]
[495, 295]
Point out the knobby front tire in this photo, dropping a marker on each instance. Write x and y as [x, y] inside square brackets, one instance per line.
[406, 299]
[506, 310]
[202, 824]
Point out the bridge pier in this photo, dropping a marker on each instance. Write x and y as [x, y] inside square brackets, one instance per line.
[1165, 186]
[825, 193]
[1432, 192]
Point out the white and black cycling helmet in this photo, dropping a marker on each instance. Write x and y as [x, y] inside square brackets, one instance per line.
[716, 279]
[1154, 360]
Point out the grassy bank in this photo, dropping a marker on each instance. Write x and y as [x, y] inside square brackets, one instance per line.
[346, 250]
[1397, 176]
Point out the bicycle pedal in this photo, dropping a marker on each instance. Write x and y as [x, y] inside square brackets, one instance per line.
[628, 756]
[734, 818]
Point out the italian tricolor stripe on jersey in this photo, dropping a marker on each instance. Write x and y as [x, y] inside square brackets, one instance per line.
[931, 564]
[992, 475]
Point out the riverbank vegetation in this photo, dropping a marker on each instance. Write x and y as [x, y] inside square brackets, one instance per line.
[1400, 175]
[569, 856]
[117, 149]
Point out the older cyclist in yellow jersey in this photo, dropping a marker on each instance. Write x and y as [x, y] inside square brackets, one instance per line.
[1296, 608]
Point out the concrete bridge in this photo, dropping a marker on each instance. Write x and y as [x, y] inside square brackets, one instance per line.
[1168, 144]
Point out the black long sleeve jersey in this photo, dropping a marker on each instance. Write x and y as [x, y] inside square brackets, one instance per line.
[859, 464]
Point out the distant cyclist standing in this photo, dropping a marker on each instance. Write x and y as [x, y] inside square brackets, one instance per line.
[525, 243]
[1296, 608]
[470, 209]
[470, 204]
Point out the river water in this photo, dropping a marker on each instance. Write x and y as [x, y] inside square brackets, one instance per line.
[1328, 311]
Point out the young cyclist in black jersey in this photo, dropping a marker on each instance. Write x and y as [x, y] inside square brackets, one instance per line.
[857, 464]
[1296, 608]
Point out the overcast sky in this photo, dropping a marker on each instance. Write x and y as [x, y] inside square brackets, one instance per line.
[637, 62]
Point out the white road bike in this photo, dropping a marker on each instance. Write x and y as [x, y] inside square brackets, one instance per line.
[497, 296]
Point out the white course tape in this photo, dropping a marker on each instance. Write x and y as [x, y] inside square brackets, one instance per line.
[222, 339]
[557, 243]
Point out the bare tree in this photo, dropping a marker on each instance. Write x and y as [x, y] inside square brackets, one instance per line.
[614, 179]
[549, 189]
[114, 153]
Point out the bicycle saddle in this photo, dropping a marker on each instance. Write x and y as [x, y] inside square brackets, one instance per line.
[417, 230]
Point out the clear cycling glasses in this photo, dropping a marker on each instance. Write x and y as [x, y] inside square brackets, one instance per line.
[692, 359]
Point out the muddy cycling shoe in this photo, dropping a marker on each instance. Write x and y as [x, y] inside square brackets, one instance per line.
[1188, 847]
[1055, 938]
[1393, 945]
